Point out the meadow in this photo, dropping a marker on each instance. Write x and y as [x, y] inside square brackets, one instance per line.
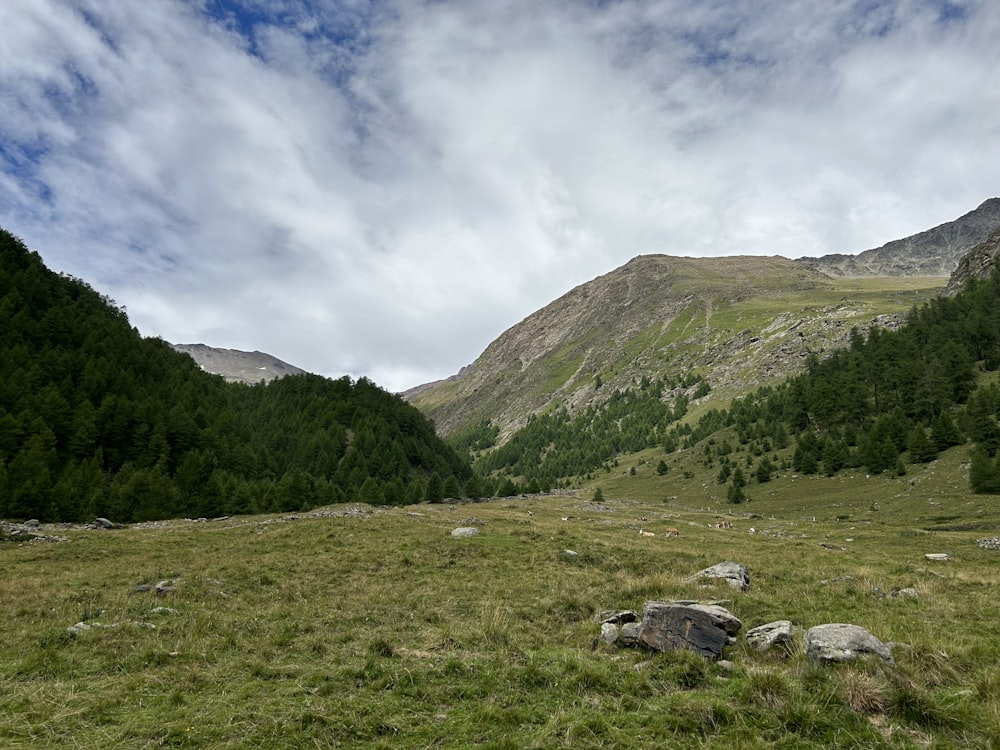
[355, 626]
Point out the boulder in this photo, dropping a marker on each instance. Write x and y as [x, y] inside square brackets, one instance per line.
[702, 628]
[780, 633]
[733, 573]
[840, 642]
[465, 531]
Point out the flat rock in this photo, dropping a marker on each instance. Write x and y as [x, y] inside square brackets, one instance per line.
[839, 642]
[465, 531]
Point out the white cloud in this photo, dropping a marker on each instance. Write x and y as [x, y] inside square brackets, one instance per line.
[381, 188]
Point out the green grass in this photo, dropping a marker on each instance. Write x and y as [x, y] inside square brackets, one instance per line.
[381, 630]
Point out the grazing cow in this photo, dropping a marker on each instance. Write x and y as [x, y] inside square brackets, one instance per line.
[671, 532]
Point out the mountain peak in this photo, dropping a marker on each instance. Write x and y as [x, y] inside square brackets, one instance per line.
[238, 366]
[934, 252]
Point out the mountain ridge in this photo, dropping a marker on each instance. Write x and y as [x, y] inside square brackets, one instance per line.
[237, 366]
[736, 321]
[932, 252]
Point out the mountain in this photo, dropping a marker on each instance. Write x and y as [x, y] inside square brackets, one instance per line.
[935, 252]
[733, 322]
[729, 323]
[978, 263]
[238, 366]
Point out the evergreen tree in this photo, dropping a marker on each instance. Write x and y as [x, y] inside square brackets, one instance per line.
[920, 446]
[984, 472]
[434, 490]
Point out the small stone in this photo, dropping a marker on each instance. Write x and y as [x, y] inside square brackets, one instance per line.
[904, 593]
[618, 616]
[609, 634]
[733, 573]
[780, 633]
[630, 634]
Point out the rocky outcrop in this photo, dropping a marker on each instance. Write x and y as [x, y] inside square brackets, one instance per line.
[237, 366]
[935, 252]
[978, 263]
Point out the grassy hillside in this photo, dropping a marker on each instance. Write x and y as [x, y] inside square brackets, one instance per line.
[391, 633]
[738, 322]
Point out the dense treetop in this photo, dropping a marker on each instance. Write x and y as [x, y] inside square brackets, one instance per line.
[97, 421]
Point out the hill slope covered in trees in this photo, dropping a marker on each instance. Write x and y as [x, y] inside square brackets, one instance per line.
[97, 421]
[889, 399]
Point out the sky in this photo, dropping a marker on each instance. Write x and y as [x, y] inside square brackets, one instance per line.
[380, 188]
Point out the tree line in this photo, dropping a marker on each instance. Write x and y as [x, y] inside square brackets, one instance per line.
[97, 421]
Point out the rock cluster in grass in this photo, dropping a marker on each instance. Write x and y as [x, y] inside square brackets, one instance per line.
[29, 531]
[705, 629]
[992, 542]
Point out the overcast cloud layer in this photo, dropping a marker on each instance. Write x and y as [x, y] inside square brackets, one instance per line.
[381, 188]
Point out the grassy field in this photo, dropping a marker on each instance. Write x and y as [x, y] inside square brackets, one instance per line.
[361, 627]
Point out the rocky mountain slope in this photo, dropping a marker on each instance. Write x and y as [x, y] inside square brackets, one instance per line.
[978, 263]
[935, 252]
[237, 366]
[737, 322]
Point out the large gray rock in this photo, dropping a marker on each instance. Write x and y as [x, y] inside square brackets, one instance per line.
[733, 573]
[839, 642]
[705, 629]
[778, 634]
[465, 531]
